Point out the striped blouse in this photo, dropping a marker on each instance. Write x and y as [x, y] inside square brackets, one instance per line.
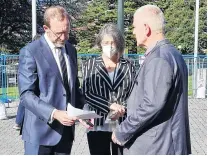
[99, 90]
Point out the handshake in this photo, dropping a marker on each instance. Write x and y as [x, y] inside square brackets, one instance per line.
[116, 111]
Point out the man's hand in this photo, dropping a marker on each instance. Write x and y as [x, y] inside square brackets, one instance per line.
[85, 124]
[116, 117]
[63, 118]
[119, 109]
[113, 137]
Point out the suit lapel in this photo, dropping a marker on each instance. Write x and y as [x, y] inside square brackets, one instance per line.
[47, 53]
[99, 65]
[122, 71]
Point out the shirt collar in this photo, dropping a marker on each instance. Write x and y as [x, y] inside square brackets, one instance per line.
[51, 45]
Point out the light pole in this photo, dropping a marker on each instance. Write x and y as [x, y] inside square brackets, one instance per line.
[34, 19]
[120, 20]
[196, 46]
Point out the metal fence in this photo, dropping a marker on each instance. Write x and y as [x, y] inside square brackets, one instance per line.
[8, 79]
[9, 67]
[201, 81]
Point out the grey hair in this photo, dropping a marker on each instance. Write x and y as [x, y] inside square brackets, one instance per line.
[154, 17]
[113, 31]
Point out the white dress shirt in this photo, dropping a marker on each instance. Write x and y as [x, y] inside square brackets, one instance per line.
[56, 56]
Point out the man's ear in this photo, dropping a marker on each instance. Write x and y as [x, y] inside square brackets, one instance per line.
[46, 29]
[147, 30]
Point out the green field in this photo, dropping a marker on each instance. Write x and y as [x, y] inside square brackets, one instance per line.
[14, 93]
[10, 92]
[190, 91]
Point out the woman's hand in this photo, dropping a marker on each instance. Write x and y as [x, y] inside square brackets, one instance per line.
[119, 110]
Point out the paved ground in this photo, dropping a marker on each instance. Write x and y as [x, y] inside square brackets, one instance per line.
[11, 143]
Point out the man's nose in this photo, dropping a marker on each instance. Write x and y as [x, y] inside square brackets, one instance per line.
[64, 37]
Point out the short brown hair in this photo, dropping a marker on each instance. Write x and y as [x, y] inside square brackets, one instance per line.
[57, 12]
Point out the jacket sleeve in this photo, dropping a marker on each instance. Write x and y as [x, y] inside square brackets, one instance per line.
[29, 87]
[157, 83]
[96, 101]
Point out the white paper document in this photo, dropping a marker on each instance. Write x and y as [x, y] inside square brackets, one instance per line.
[81, 114]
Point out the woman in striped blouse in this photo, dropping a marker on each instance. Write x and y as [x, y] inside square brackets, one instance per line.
[107, 82]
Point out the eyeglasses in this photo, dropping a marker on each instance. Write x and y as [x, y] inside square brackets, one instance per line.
[59, 34]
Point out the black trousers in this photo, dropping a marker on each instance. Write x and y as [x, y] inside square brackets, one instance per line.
[63, 147]
[100, 143]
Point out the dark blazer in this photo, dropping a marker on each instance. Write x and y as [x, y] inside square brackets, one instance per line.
[41, 90]
[98, 88]
[157, 109]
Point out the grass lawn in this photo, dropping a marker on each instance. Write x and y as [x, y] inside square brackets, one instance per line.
[14, 93]
[190, 89]
[11, 92]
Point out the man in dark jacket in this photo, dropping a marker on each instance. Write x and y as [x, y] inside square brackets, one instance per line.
[157, 120]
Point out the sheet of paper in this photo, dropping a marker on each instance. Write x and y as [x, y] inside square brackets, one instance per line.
[81, 114]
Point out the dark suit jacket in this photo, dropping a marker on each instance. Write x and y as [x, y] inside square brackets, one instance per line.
[157, 110]
[99, 90]
[41, 90]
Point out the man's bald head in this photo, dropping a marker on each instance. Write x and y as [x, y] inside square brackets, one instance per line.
[152, 16]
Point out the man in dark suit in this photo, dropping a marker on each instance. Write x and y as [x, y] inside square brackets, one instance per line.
[47, 82]
[157, 110]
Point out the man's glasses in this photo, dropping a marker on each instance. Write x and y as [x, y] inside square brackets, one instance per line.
[58, 35]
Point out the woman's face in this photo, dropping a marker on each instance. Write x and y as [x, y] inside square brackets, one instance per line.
[107, 40]
[108, 46]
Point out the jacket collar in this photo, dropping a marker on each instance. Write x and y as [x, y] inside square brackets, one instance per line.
[158, 45]
[122, 71]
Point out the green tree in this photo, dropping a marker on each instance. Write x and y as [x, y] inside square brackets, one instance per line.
[99, 13]
[15, 24]
[179, 15]
[180, 23]
[16, 20]
[89, 24]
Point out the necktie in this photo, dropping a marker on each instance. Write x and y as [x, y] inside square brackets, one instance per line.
[64, 73]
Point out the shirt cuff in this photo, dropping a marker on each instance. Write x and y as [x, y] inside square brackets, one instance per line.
[51, 118]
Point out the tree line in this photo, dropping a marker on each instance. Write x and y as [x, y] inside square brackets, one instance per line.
[88, 16]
